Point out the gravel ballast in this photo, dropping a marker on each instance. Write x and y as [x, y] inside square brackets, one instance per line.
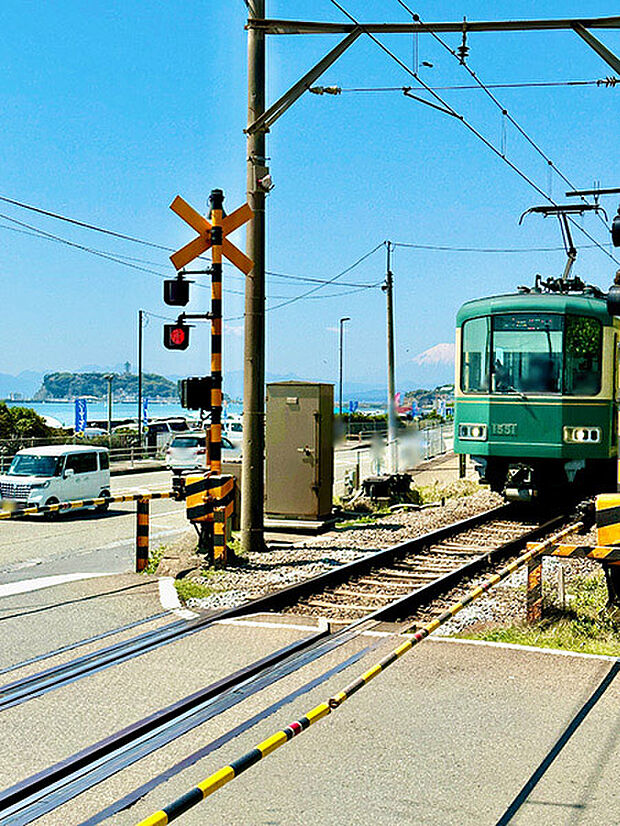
[285, 565]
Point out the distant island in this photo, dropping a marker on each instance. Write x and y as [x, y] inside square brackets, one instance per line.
[68, 386]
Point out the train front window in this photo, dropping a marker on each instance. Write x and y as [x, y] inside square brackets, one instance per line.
[582, 359]
[527, 353]
[475, 360]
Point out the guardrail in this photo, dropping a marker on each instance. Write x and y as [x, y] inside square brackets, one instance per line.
[142, 499]
[129, 453]
[224, 775]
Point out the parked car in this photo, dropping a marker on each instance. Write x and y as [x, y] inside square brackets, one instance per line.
[160, 432]
[189, 452]
[91, 432]
[233, 429]
[56, 473]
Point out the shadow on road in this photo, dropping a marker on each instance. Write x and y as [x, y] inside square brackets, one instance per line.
[557, 747]
[88, 598]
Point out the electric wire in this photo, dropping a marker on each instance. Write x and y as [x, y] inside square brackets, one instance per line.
[330, 281]
[37, 232]
[539, 84]
[83, 224]
[448, 109]
[505, 112]
[509, 250]
[28, 229]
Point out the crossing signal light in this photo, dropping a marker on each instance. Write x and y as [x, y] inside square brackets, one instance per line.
[176, 291]
[195, 392]
[176, 336]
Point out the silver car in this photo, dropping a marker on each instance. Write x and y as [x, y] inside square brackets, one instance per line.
[188, 451]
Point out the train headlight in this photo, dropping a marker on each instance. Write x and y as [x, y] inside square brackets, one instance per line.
[475, 432]
[583, 435]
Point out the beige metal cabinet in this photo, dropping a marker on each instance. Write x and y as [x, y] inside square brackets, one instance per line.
[299, 450]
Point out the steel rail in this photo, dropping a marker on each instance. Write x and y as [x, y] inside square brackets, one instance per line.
[53, 787]
[224, 775]
[80, 643]
[42, 682]
[45, 791]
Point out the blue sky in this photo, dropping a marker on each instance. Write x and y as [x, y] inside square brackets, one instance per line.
[111, 109]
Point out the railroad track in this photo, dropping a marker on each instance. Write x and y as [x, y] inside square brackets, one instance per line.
[393, 583]
[413, 571]
[388, 583]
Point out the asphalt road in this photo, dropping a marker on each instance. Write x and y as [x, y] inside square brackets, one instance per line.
[87, 541]
[452, 734]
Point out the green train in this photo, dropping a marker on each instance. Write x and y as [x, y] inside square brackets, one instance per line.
[537, 388]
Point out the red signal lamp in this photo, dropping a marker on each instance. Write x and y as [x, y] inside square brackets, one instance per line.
[176, 336]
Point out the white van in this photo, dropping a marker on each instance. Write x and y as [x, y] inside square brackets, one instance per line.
[56, 473]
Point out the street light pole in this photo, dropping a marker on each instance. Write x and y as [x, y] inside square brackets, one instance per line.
[252, 468]
[342, 323]
[109, 377]
[388, 288]
[140, 312]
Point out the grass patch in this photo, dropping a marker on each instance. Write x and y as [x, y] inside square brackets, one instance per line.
[190, 589]
[367, 519]
[583, 626]
[154, 560]
[446, 490]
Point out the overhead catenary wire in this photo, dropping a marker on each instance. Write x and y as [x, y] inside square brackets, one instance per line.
[608, 82]
[506, 115]
[448, 109]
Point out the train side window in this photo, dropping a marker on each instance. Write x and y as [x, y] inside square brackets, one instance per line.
[582, 357]
[476, 336]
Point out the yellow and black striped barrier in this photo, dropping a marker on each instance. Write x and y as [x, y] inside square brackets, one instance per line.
[210, 501]
[606, 551]
[602, 553]
[224, 775]
[608, 519]
[216, 200]
[142, 533]
[142, 499]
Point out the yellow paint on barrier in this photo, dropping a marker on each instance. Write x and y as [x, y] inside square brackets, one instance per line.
[272, 743]
[372, 672]
[158, 819]
[318, 712]
[216, 781]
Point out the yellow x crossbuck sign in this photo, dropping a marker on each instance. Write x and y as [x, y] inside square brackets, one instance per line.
[201, 244]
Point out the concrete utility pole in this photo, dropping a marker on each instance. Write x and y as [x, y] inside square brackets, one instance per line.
[341, 361]
[388, 288]
[109, 377]
[252, 473]
[140, 312]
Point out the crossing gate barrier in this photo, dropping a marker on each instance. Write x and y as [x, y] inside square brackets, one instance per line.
[227, 773]
[606, 551]
[210, 502]
[143, 503]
